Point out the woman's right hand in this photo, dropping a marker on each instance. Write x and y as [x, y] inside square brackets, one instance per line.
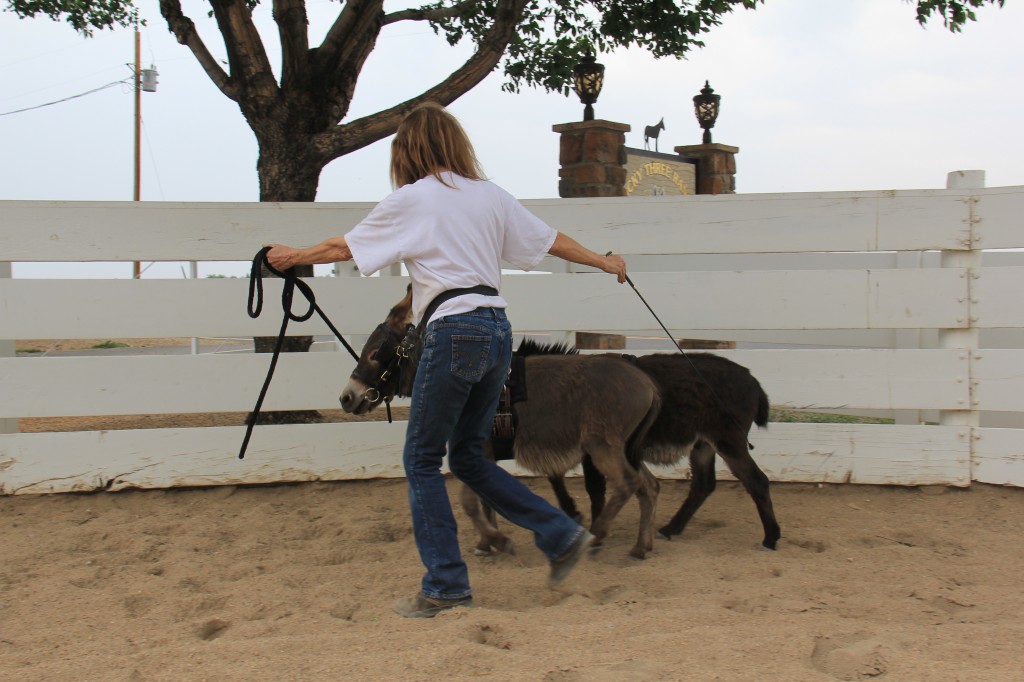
[281, 257]
[615, 265]
[567, 248]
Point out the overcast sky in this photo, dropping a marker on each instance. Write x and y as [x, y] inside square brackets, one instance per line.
[819, 95]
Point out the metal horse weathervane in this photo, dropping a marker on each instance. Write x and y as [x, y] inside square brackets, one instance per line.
[652, 132]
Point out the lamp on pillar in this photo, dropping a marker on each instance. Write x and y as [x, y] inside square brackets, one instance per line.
[705, 106]
[587, 79]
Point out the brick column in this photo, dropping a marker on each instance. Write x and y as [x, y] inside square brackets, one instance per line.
[716, 166]
[592, 155]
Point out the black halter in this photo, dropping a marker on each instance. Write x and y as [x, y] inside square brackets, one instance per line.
[392, 357]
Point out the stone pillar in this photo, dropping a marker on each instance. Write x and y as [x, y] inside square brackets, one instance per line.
[592, 155]
[716, 166]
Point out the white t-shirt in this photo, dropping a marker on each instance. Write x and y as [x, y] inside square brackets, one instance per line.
[450, 238]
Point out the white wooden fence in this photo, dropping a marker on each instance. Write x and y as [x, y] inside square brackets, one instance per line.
[960, 298]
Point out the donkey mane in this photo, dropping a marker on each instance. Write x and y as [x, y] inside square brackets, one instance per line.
[532, 347]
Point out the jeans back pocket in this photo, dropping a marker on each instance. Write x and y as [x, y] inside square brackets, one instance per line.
[470, 355]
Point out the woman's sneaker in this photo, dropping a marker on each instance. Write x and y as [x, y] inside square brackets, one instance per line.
[428, 607]
[563, 565]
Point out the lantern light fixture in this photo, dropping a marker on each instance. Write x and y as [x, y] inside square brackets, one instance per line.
[706, 106]
[587, 80]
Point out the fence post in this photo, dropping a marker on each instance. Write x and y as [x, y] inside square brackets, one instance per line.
[193, 273]
[966, 338]
[7, 350]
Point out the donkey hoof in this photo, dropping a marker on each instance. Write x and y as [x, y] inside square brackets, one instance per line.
[637, 553]
[666, 532]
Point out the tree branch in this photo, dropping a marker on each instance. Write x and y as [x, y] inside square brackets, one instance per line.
[344, 27]
[250, 66]
[184, 30]
[349, 137]
[422, 14]
[349, 59]
[292, 25]
[339, 61]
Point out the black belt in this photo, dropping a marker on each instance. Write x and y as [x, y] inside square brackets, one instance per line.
[450, 294]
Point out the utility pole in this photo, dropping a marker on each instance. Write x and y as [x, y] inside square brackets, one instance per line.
[137, 194]
[144, 79]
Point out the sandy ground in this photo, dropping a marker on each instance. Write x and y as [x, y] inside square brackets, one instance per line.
[296, 582]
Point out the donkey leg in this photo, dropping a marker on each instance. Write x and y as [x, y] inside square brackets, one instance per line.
[702, 484]
[486, 523]
[737, 457]
[593, 481]
[623, 479]
[565, 501]
[647, 496]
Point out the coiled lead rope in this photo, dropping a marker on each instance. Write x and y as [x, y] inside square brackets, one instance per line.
[255, 307]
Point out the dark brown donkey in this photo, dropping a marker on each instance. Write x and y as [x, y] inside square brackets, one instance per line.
[709, 404]
[577, 406]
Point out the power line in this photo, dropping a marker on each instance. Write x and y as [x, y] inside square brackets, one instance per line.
[152, 158]
[67, 99]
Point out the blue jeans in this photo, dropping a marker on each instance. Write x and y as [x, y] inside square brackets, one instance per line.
[461, 372]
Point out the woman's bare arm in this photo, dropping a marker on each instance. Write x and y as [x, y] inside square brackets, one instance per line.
[567, 248]
[331, 250]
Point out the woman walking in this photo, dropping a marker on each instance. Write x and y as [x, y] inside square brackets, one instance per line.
[452, 228]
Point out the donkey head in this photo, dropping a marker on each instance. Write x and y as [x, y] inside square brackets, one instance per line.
[387, 365]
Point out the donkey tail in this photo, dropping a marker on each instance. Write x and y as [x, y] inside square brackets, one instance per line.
[762, 408]
[633, 446]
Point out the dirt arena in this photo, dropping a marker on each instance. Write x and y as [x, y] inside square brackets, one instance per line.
[295, 582]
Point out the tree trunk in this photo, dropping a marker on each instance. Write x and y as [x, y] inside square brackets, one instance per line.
[287, 174]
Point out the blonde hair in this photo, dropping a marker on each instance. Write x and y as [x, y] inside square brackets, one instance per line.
[430, 141]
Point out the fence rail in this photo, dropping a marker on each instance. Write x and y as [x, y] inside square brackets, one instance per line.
[791, 267]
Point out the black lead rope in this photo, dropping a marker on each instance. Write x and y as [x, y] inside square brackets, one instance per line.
[255, 307]
[676, 344]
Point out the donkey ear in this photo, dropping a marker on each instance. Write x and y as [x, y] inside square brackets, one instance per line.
[406, 301]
